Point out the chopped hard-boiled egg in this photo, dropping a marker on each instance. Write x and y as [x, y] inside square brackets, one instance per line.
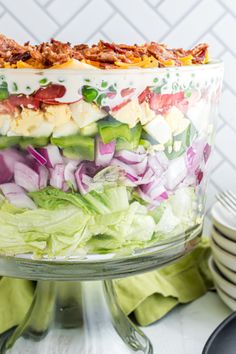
[57, 115]
[199, 115]
[69, 128]
[159, 129]
[147, 113]
[176, 121]
[30, 123]
[5, 122]
[44, 129]
[129, 114]
[85, 113]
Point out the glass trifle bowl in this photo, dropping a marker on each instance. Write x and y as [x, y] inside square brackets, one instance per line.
[103, 175]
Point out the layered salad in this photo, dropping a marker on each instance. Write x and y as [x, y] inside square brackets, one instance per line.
[103, 148]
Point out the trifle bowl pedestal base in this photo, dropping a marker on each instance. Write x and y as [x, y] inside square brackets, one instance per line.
[75, 318]
[75, 307]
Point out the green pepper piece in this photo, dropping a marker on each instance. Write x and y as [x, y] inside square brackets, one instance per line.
[122, 144]
[7, 141]
[78, 144]
[186, 138]
[76, 153]
[100, 98]
[35, 142]
[112, 129]
[4, 90]
[89, 93]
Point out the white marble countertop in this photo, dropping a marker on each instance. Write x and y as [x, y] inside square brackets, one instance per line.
[183, 331]
[186, 329]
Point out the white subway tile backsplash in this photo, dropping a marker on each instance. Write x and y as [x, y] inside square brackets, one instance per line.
[173, 11]
[192, 27]
[224, 30]
[156, 26]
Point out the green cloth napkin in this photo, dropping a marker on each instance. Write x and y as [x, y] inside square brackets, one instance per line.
[147, 296]
[150, 296]
[15, 299]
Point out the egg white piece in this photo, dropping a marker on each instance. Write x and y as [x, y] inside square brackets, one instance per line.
[85, 113]
[159, 129]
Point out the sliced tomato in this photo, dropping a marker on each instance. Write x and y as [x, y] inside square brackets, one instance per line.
[145, 95]
[6, 107]
[163, 102]
[50, 93]
[24, 101]
[119, 106]
[127, 92]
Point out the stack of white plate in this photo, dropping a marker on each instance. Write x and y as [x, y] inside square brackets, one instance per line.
[223, 262]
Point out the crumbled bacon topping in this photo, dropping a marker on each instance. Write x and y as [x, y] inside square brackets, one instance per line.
[102, 55]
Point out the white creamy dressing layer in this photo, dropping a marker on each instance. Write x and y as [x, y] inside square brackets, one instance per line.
[28, 81]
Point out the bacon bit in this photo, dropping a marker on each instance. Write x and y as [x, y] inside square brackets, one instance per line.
[127, 91]
[145, 96]
[102, 55]
[161, 103]
[119, 106]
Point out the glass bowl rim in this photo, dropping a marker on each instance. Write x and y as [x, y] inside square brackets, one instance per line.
[213, 64]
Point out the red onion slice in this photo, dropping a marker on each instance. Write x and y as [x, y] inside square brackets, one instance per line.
[6, 174]
[10, 157]
[104, 152]
[69, 174]
[81, 171]
[17, 196]
[57, 176]
[206, 152]
[52, 155]
[43, 177]
[36, 155]
[128, 169]
[26, 177]
[130, 157]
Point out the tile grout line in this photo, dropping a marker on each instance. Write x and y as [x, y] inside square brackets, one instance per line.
[62, 27]
[155, 9]
[221, 42]
[227, 8]
[117, 10]
[44, 9]
[99, 29]
[212, 25]
[180, 20]
[19, 22]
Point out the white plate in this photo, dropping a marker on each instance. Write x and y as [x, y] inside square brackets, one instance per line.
[228, 300]
[224, 220]
[221, 282]
[229, 274]
[227, 259]
[222, 241]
